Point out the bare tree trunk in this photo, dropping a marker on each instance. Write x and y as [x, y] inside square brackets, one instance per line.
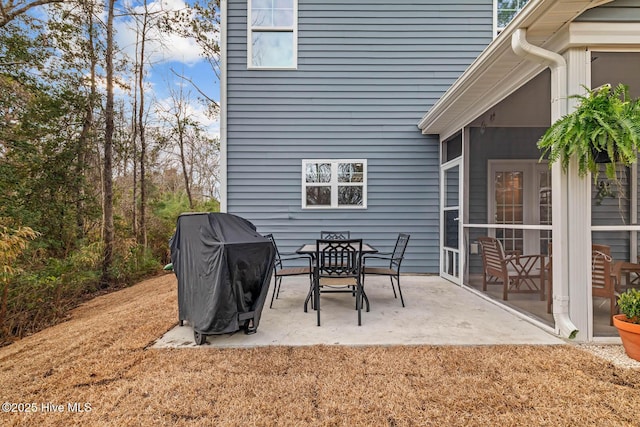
[191, 141]
[108, 233]
[143, 142]
[134, 146]
[87, 125]
[185, 173]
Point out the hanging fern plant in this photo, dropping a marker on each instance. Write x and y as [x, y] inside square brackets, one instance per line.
[605, 122]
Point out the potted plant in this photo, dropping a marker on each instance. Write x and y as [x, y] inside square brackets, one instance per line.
[604, 128]
[628, 322]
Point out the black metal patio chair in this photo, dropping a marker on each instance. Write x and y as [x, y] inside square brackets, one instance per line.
[337, 263]
[395, 260]
[280, 271]
[335, 235]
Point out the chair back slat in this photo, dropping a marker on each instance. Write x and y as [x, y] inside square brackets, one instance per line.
[399, 250]
[335, 235]
[338, 258]
[278, 262]
[493, 256]
[603, 280]
[601, 267]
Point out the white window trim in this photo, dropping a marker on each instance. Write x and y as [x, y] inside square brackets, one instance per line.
[495, 19]
[334, 183]
[293, 29]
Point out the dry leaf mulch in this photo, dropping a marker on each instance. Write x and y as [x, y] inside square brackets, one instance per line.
[100, 357]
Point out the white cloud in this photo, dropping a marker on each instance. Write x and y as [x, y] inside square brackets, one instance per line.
[159, 47]
[195, 111]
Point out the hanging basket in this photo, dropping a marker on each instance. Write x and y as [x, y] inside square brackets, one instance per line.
[600, 157]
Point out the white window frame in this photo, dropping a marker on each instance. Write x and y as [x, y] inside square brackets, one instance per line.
[293, 29]
[496, 29]
[334, 183]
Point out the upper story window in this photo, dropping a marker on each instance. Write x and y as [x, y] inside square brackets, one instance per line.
[505, 11]
[334, 184]
[272, 33]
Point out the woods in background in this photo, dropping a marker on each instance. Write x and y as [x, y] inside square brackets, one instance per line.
[94, 170]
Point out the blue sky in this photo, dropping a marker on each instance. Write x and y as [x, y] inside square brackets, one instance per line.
[171, 52]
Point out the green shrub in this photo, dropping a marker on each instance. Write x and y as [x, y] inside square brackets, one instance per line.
[133, 264]
[162, 223]
[42, 295]
[629, 304]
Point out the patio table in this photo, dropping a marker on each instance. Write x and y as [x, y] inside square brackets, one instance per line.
[310, 249]
[630, 271]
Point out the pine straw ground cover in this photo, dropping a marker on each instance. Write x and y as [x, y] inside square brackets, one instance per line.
[100, 356]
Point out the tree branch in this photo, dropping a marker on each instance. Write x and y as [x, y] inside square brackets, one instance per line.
[9, 13]
[190, 81]
[12, 64]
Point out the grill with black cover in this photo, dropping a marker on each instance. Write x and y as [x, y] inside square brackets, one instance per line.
[224, 268]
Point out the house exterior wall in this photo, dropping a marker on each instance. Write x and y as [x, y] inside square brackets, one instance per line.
[616, 11]
[367, 71]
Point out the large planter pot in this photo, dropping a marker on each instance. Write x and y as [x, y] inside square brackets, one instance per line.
[630, 335]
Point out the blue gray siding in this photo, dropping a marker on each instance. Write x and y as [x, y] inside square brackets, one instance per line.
[367, 72]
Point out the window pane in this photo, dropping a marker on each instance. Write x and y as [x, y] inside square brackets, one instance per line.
[283, 4]
[351, 195]
[350, 172]
[318, 172]
[507, 9]
[509, 197]
[504, 17]
[451, 228]
[283, 18]
[261, 17]
[518, 215]
[272, 49]
[500, 190]
[267, 13]
[261, 4]
[318, 196]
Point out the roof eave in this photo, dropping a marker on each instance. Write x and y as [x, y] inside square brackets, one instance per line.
[534, 14]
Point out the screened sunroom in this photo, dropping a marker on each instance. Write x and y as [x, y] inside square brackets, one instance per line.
[574, 240]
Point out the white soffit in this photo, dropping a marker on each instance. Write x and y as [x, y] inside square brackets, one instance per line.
[498, 71]
[603, 34]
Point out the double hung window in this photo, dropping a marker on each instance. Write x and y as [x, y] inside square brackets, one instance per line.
[334, 184]
[272, 32]
[505, 11]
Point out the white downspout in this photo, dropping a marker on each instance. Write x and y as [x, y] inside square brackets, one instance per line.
[558, 66]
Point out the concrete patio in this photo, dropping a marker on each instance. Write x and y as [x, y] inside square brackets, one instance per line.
[437, 312]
